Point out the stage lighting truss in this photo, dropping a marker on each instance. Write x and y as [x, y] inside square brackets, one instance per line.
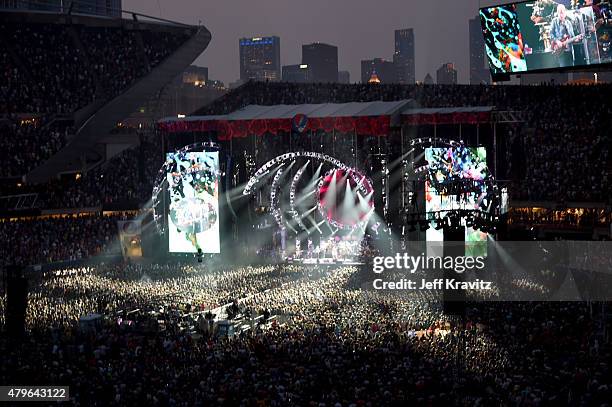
[278, 216]
[281, 159]
[160, 186]
[277, 166]
[294, 213]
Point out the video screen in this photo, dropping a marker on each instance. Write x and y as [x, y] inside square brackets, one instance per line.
[447, 168]
[503, 39]
[193, 213]
[547, 34]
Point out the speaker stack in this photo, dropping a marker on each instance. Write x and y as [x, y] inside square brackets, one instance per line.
[16, 285]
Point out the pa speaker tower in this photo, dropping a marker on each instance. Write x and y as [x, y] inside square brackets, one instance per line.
[16, 301]
[454, 246]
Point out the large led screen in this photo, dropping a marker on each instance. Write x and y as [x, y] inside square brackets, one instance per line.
[193, 213]
[447, 166]
[547, 34]
[503, 39]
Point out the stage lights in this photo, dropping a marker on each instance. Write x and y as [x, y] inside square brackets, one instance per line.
[363, 187]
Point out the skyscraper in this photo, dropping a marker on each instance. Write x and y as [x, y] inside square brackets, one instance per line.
[322, 60]
[296, 73]
[479, 69]
[403, 58]
[385, 70]
[447, 74]
[260, 59]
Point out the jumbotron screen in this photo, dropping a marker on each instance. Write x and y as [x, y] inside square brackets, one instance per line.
[546, 34]
[193, 213]
[447, 166]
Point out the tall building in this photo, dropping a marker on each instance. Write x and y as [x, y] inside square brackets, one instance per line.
[344, 77]
[384, 70]
[296, 73]
[447, 74]
[428, 80]
[322, 60]
[403, 58]
[260, 59]
[479, 69]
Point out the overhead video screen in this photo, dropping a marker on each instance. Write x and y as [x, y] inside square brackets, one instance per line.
[447, 166]
[193, 213]
[547, 34]
[503, 39]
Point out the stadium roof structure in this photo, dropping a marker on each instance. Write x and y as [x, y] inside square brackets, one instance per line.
[364, 118]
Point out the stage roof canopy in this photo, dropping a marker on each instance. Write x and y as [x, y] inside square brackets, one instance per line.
[447, 115]
[318, 111]
[447, 110]
[365, 118]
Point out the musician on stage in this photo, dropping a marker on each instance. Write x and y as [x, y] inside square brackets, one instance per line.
[563, 36]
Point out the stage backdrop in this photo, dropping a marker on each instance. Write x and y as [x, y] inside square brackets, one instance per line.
[450, 165]
[193, 213]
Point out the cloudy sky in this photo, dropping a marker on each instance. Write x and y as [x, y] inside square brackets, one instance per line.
[361, 29]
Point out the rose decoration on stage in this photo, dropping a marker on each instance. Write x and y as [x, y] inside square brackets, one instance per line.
[345, 198]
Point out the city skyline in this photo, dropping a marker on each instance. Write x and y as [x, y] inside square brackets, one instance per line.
[441, 30]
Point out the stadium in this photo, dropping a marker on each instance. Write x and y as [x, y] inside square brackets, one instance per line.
[301, 243]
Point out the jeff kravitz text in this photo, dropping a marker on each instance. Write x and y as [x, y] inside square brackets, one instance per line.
[435, 284]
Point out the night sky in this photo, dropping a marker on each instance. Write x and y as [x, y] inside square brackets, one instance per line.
[361, 29]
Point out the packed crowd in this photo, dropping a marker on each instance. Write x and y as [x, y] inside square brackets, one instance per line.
[567, 149]
[338, 345]
[57, 238]
[34, 81]
[127, 180]
[502, 97]
[577, 217]
[28, 142]
[158, 45]
[114, 287]
[50, 71]
[45, 72]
